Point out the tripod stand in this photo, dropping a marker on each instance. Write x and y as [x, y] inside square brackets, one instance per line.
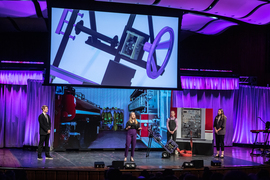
[149, 144]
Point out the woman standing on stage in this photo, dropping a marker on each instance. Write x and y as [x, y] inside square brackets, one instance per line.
[172, 125]
[220, 130]
[132, 126]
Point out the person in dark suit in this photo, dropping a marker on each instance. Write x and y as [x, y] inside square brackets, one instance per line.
[44, 131]
[220, 131]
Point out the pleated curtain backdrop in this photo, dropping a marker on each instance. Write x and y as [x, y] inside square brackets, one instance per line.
[209, 99]
[2, 115]
[251, 102]
[20, 106]
[13, 107]
[38, 95]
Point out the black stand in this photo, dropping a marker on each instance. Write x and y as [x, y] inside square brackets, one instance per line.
[255, 143]
[149, 144]
[266, 143]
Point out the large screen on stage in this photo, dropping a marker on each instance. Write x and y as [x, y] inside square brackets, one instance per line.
[96, 118]
[112, 49]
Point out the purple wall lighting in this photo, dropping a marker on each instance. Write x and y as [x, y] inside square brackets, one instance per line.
[195, 5]
[233, 8]
[216, 27]
[43, 7]
[193, 22]
[22, 62]
[145, 2]
[204, 25]
[260, 16]
[215, 70]
[214, 83]
[17, 9]
[251, 11]
[19, 77]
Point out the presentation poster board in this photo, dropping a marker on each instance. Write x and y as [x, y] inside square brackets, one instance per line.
[191, 122]
[196, 123]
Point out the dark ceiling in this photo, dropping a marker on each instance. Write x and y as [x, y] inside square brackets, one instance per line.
[206, 17]
[241, 25]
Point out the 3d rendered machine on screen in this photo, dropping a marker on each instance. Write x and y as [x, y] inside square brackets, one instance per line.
[129, 47]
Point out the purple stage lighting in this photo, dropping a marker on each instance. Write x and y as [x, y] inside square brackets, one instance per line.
[215, 70]
[17, 9]
[19, 77]
[145, 2]
[22, 62]
[195, 5]
[204, 25]
[216, 27]
[260, 16]
[214, 83]
[43, 7]
[234, 9]
[194, 22]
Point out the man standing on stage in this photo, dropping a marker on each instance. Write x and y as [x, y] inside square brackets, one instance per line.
[44, 131]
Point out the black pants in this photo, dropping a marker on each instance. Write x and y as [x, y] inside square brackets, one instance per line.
[220, 141]
[40, 145]
[169, 136]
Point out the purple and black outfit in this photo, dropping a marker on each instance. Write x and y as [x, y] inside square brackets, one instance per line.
[220, 122]
[131, 137]
[172, 125]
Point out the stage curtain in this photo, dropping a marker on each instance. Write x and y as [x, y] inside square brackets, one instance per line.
[38, 95]
[2, 115]
[251, 102]
[209, 99]
[12, 115]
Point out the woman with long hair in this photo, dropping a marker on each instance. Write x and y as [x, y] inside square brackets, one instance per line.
[131, 127]
[220, 131]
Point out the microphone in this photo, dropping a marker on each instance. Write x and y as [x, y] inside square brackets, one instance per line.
[267, 123]
[261, 119]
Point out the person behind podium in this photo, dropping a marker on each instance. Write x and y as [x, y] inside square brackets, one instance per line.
[44, 131]
[220, 130]
[131, 127]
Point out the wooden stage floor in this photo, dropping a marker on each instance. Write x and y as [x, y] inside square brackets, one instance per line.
[235, 157]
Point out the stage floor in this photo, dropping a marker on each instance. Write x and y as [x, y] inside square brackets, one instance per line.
[234, 156]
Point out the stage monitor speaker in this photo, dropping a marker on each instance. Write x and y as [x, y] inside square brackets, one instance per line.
[215, 163]
[198, 163]
[188, 165]
[130, 166]
[118, 164]
[99, 165]
[165, 154]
